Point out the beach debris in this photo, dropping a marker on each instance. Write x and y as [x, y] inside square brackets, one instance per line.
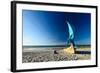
[55, 52]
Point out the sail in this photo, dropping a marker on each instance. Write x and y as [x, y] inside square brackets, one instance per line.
[71, 32]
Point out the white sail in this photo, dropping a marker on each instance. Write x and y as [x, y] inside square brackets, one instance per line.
[71, 32]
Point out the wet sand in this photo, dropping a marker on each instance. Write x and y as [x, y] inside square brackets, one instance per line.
[48, 55]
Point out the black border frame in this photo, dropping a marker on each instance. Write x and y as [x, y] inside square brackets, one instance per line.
[13, 35]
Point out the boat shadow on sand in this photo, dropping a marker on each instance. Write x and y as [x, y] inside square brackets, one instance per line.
[82, 52]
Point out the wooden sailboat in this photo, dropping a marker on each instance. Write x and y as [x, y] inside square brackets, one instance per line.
[70, 49]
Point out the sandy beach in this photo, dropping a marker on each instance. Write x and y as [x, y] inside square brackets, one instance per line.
[29, 55]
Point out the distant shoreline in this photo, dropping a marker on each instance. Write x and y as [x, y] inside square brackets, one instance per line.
[57, 46]
[46, 48]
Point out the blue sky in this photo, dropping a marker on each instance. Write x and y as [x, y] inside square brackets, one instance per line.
[50, 28]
